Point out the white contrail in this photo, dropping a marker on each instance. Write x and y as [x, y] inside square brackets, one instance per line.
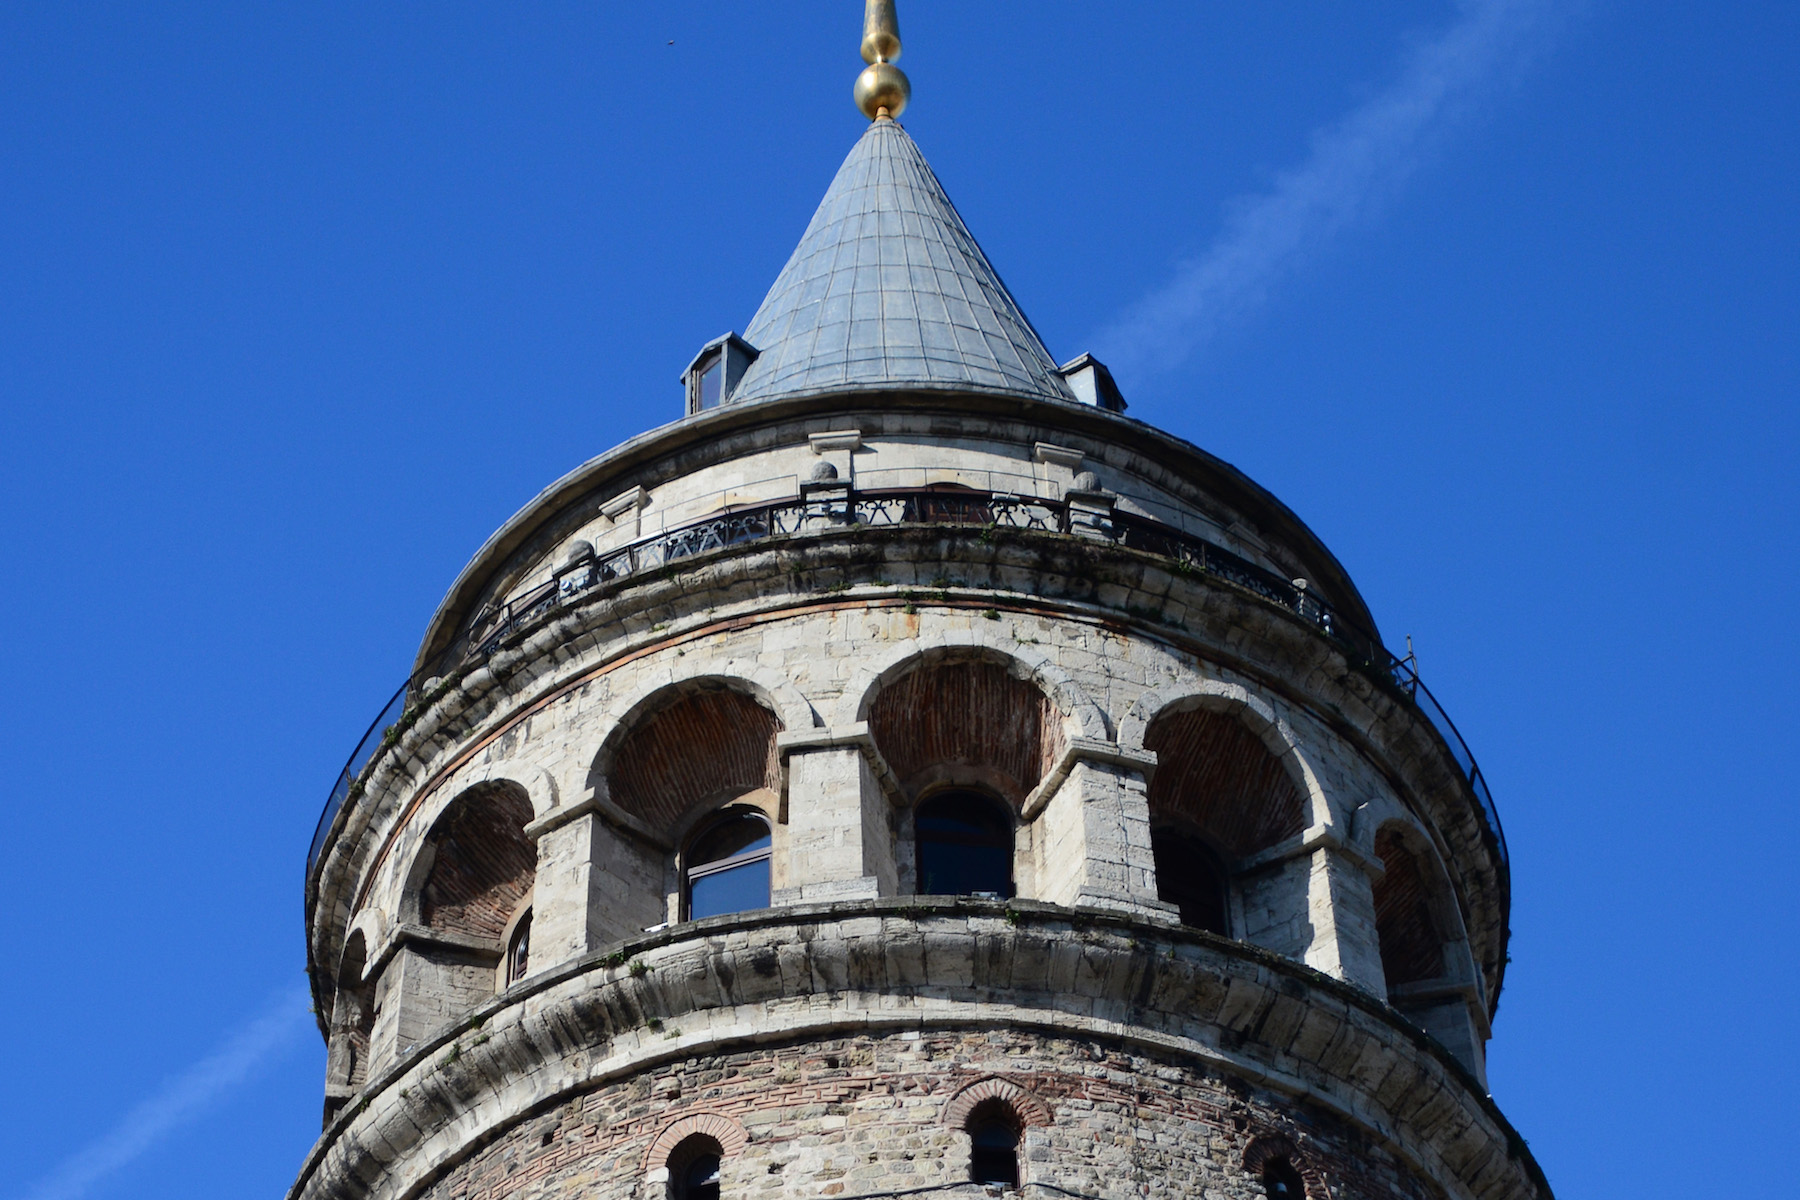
[1355, 164]
[179, 1100]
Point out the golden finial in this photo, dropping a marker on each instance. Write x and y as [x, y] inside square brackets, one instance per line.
[882, 89]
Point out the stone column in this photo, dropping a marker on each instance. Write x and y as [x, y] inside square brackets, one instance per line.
[1340, 905]
[1093, 821]
[597, 883]
[839, 819]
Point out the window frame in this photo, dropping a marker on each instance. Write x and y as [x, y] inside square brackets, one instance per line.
[691, 873]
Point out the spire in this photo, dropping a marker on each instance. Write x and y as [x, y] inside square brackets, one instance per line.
[887, 288]
[882, 90]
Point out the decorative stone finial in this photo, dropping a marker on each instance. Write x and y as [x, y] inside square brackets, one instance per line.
[882, 90]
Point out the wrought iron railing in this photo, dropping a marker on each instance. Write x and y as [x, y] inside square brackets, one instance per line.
[819, 510]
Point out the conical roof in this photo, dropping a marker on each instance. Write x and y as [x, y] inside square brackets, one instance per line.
[888, 288]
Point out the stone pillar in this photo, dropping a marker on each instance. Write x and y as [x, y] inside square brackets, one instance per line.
[1340, 906]
[596, 884]
[432, 980]
[1092, 818]
[840, 838]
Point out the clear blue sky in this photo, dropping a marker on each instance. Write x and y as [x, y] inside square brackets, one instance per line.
[298, 302]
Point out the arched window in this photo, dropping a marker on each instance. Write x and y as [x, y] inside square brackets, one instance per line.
[518, 950]
[728, 866]
[1281, 1181]
[965, 842]
[1190, 876]
[694, 1169]
[994, 1144]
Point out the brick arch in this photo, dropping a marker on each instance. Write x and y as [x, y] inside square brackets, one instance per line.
[1080, 714]
[1410, 925]
[967, 720]
[1217, 776]
[1031, 1112]
[686, 746]
[482, 864]
[726, 1131]
[1266, 1146]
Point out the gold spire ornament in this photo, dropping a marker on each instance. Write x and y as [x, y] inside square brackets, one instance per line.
[882, 89]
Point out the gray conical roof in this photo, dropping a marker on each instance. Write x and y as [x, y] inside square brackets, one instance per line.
[887, 288]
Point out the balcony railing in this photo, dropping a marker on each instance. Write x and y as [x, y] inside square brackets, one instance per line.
[823, 510]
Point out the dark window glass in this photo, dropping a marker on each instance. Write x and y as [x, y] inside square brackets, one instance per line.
[700, 1179]
[1281, 1181]
[518, 952]
[710, 379]
[994, 1153]
[965, 845]
[1188, 875]
[728, 867]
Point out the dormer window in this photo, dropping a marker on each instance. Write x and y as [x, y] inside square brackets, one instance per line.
[712, 375]
[715, 372]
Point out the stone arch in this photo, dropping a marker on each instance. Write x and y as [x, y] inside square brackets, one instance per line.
[648, 766]
[1030, 1111]
[538, 784]
[1082, 717]
[477, 865]
[1254, 711]
[969, 715]
[1218, 774]
[1264, 1148]
[727, 1131]
[1416, 923]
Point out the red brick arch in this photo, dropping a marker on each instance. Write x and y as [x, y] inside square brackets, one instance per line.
[1266, 1146]
[720, 1128]
[1030, 1111]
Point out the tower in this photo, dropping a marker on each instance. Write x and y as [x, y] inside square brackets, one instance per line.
[906, 773]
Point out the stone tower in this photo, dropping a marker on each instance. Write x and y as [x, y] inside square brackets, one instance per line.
[907, 774]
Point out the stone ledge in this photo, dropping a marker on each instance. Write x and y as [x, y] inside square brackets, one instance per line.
[923, 962]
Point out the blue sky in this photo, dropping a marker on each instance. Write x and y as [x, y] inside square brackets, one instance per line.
[299, 302]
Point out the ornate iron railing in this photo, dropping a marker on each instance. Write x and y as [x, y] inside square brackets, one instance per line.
[818, 510]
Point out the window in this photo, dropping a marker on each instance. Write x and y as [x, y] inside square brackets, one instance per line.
[965, 842]
[518, 950]
[728, 866]
[994, 1145]
[711, 376]
[1189, 876]
[1281, 1181]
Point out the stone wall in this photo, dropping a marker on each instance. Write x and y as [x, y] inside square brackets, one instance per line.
[854, 1116]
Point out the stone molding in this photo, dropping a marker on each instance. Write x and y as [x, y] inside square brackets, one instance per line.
[899, 965]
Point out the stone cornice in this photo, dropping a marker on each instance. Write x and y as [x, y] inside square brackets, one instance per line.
[874, 966]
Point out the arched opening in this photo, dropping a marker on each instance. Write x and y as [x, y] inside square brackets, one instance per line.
[965, 845]
[694, 1168]
[727, 865]
[966, 722]
[1281, 1181]
[1190, 875]
[352, 1020]
[482, 864]
[993, 1130]
[1219, 797]
[1412, 945]
[703, 745]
